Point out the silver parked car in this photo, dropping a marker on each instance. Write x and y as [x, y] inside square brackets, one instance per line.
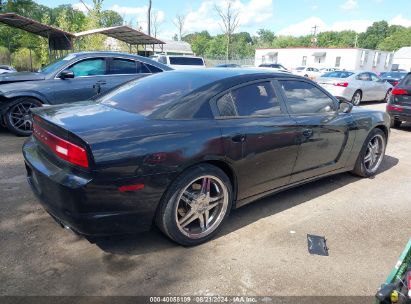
[5, 69]
[355, 86]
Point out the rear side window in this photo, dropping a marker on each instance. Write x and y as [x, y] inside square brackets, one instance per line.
[153, 69]
[305, 98]
[123, 66]
[258, 99]
[406, 80]
[186, 61]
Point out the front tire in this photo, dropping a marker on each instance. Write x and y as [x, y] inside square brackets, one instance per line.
[18, 118]
[356, 98]
[372, 154]
[195, 206]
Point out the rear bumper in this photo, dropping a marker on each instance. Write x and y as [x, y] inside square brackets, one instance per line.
[87, 204]
[404, 115]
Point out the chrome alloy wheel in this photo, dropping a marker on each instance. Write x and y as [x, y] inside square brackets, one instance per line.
[20, 116]
[356, 99]
[201, 206]
[374, 153]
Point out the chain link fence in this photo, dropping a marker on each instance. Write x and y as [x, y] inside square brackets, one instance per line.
[213, 61]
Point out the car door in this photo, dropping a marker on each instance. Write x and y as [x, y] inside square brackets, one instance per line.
[121, 70]
[378, 87]
[363, 83]
[89, 78]
[325, 135]
[259, 137]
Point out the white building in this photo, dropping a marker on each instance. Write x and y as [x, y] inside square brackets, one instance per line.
[342, 58]
[402, 59]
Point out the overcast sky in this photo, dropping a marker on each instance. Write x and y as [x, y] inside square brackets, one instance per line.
[287, 17]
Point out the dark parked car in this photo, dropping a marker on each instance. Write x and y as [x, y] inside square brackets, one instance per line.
[393, 77]
[275, 66]
[399, 105]
[76, 77]
[183, 148]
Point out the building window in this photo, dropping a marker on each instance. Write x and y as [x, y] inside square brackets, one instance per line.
[364, 57]
[304, 63]
[337, 62]
[388, 60]
[376, 60]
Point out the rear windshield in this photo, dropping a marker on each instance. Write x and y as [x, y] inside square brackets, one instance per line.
[186, 61]
[152, 93]
[338, 74]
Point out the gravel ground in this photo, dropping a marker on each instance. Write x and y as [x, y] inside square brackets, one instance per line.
[262, 250]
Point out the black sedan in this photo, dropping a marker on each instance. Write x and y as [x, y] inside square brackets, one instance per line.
[182, 148]
[76, 77]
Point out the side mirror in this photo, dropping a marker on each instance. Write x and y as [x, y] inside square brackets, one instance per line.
[344, 105]
[66, 74]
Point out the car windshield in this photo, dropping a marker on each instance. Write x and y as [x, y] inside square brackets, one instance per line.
[300, 68]
[186, 61]
[152, 93]
[55, 65]
[338, 74]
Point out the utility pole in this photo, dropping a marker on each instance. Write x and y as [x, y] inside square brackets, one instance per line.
[314, 33]
[356, 41]
[149, 18]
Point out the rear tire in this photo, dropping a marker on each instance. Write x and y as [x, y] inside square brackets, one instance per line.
[395, 123]
[371, 155]
[196, 205]
[387, 96]
[18, 119]
[356, 98]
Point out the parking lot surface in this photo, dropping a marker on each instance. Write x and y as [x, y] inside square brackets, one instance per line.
[261, 250]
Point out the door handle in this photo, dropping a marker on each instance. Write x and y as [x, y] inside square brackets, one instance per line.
[308, 133]
[238, 138]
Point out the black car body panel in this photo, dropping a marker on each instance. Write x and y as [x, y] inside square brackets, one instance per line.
[260, 154]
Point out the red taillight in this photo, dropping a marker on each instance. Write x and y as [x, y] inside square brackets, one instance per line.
[393, 108]
[134, 187]
[397, 91]
[341, 84]
[62, 148]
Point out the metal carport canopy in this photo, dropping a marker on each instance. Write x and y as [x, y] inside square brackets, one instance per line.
[123, 33]
[58, 39]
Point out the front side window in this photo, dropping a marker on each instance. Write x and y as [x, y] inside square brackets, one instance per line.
[305, 98]
[374, 77]
[89, 67]
[364, 77]
[258, 99]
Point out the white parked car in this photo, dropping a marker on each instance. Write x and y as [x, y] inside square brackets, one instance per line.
[274, 67]
[5, 69]
[178, 62]
[356, 86]
[309, 72]
[326, 70]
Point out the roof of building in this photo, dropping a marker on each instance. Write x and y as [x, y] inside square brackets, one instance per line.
[175, 46]
[123, 33]
[404, 52]
[59, 39]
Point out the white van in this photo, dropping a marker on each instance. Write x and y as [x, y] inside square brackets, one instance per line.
[178, 62]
